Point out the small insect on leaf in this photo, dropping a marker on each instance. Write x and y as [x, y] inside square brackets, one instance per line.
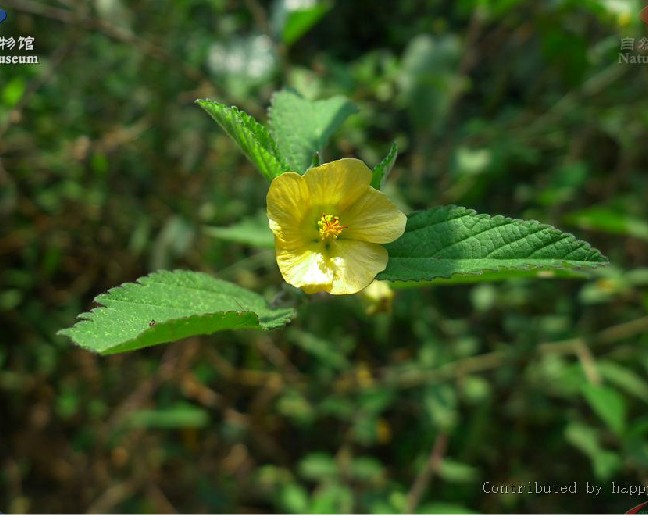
[152, 323]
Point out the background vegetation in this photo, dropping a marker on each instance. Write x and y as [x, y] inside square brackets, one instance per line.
[109, 171]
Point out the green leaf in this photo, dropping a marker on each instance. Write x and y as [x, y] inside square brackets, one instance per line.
[293, 498]
[169, 305]
[453, 471]
[624, 378]
[382, 169]
[584, 438]
[605, 463]
[324, 350]
[297, 408]
[301, 127]
[608, 404]
[331, 497]
[608, 220]
[452, 240]
[318, 466]
[366, 469]
[252, 137]
[291, 20]
[182, 415]
[440, 405]
[251, 231]
[495, 276]
[315, 161]
[429, 79]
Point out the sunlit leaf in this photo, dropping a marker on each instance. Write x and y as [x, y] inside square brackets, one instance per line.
[451, 240]
[318, 466]
[170, 305]
[382, 169]
[608, 404]
[586, 439]
[252, 137]
[609, 221]
[624, 378]
[293, 498]
[302, 127]
[293, 19]
[454, 471]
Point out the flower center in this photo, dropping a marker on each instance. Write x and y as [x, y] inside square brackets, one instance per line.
[329, 226]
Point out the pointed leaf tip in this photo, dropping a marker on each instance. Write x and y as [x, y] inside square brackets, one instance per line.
[252, 137]
[167, 306]
[451, 240]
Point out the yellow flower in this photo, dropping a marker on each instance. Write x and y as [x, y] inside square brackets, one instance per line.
[328, 224]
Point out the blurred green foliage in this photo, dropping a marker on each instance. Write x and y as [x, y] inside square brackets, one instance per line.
[108, 170]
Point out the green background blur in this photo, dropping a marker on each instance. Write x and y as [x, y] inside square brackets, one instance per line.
[109, 171]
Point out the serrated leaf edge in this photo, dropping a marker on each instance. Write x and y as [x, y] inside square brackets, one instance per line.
[566, 264]
[267, 143]
[116, 349]
[384, 167]
[89, 315]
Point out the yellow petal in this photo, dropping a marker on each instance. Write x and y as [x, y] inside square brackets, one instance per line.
[356, 264]
[288, 206]
[338, 184]
[373, 218]
[367, 218]
[308, 268]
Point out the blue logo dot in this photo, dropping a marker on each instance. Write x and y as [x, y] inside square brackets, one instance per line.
[3, 15]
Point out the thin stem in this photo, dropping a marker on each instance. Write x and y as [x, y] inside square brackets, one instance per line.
[425, 476]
